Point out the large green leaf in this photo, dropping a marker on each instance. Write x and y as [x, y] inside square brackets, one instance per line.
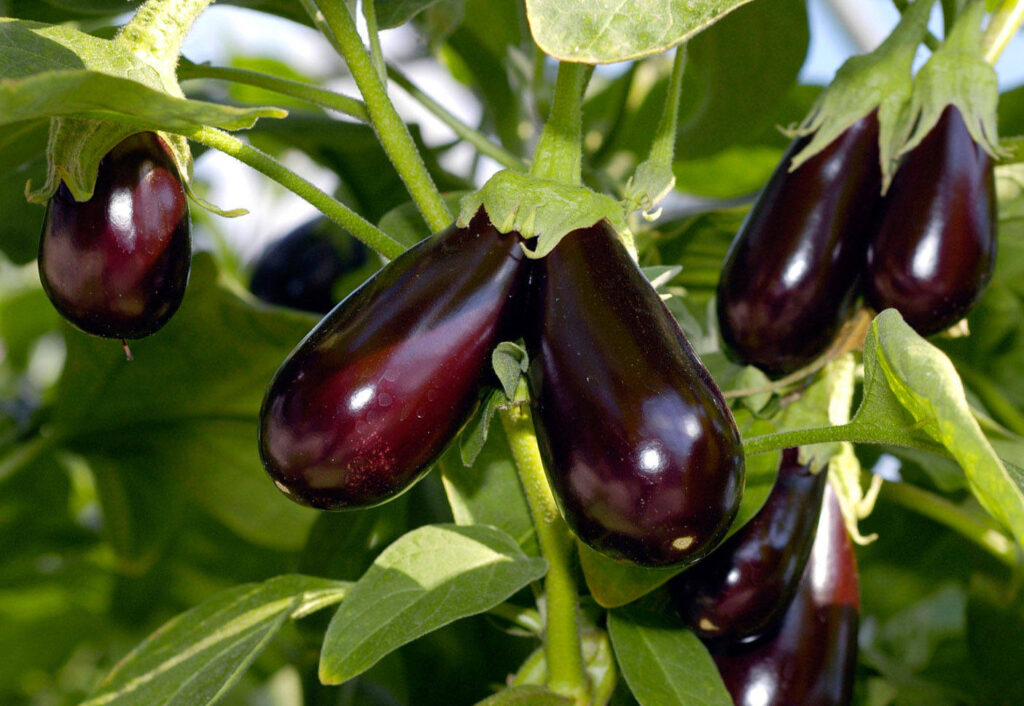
[182, 415]
[663, 662]
[195, 658]
[430, 577]
[605, 31]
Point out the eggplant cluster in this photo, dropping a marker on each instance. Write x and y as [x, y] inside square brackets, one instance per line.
[778, 603]
[821, 235]
[117, 264]
[640, 448]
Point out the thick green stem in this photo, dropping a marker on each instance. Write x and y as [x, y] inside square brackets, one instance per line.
[1004, 24]
[663, 148]
[930, 40]
[332, 208]
[976, 527]
[391, 131]
[295, 89]
[800, 437]
[468, 134]
[562, 645]
[559, 152]
[158, 28]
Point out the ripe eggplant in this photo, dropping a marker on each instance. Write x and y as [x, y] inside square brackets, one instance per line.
[793, 269]
[747, 583]
[811, 658]
[117, 264]
[370, 398]
[935, 247]
[640, 448]
[301, 269]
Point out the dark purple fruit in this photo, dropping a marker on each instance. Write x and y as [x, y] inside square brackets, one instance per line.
[117, 264]
[934, 251]
[746, 584]
[301, 269]
[366, 403]
[641, 450]
[793, 269]
[811, 658]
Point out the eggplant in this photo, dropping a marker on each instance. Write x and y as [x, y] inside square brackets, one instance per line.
[794, 268]
[812, 656]
[370, 398]
[117, 264]
[935, 247]
[301, 269]
[641, 451]
[745, 585]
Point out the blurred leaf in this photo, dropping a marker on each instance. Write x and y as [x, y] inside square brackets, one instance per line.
[663, 662]
[181, 417]
[22, 158]
[529, 695]
[405, 224]
[428, 578]
[995, 632]
[394, 13]
[599, 32]
[196, 657]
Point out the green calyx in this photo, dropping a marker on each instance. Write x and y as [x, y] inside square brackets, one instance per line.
[543, 209]
[880, 80]
[146, 51]
[956, 74]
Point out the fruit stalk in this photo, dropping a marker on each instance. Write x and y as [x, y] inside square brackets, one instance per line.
[332, 208]
[391, 131]
[562, 646]
[559, 152]
[158, 28]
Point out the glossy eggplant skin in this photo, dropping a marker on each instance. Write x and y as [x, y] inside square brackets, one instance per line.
[811, 658]
[301, 269]
[746, 584]
[794, 268]
[935, 248]
[364, 405]
[641, 451]
[117, 264]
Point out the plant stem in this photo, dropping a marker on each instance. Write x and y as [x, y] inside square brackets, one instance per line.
[559, 152]
[468, 134]
[158, 28]
[332, 208]
[663, 147]
[376, 53]
[562, 644]
[1004, 24]
[295, 89]
[930, 40]
[979, 529]
[526, 618]
[800, 437]
[391, 131]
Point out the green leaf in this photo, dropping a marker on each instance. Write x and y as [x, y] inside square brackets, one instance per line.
[663, 662]
[904, 371]
[527, 695]
[995, 629]
[22, 159]
[405, 224]
[196, 657]
[510, 363]
[183, 413]
[429, 578]
[394, 13]
[603, 31]
[474, 436]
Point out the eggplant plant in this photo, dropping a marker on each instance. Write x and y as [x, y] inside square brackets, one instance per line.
[622, 395]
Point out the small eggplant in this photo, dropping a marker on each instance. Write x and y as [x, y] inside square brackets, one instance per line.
[301, 269]
[117, 264]
[746, 584]
[365, 404]
[793, 269]
[811, 658]
[935, 248]
[640, 448]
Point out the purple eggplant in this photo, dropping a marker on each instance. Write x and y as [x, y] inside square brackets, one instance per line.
[794, 268]
[746, 584]
[935, 248]
[811, 657]
[640, 448]
[117, 264]
[364, 405]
